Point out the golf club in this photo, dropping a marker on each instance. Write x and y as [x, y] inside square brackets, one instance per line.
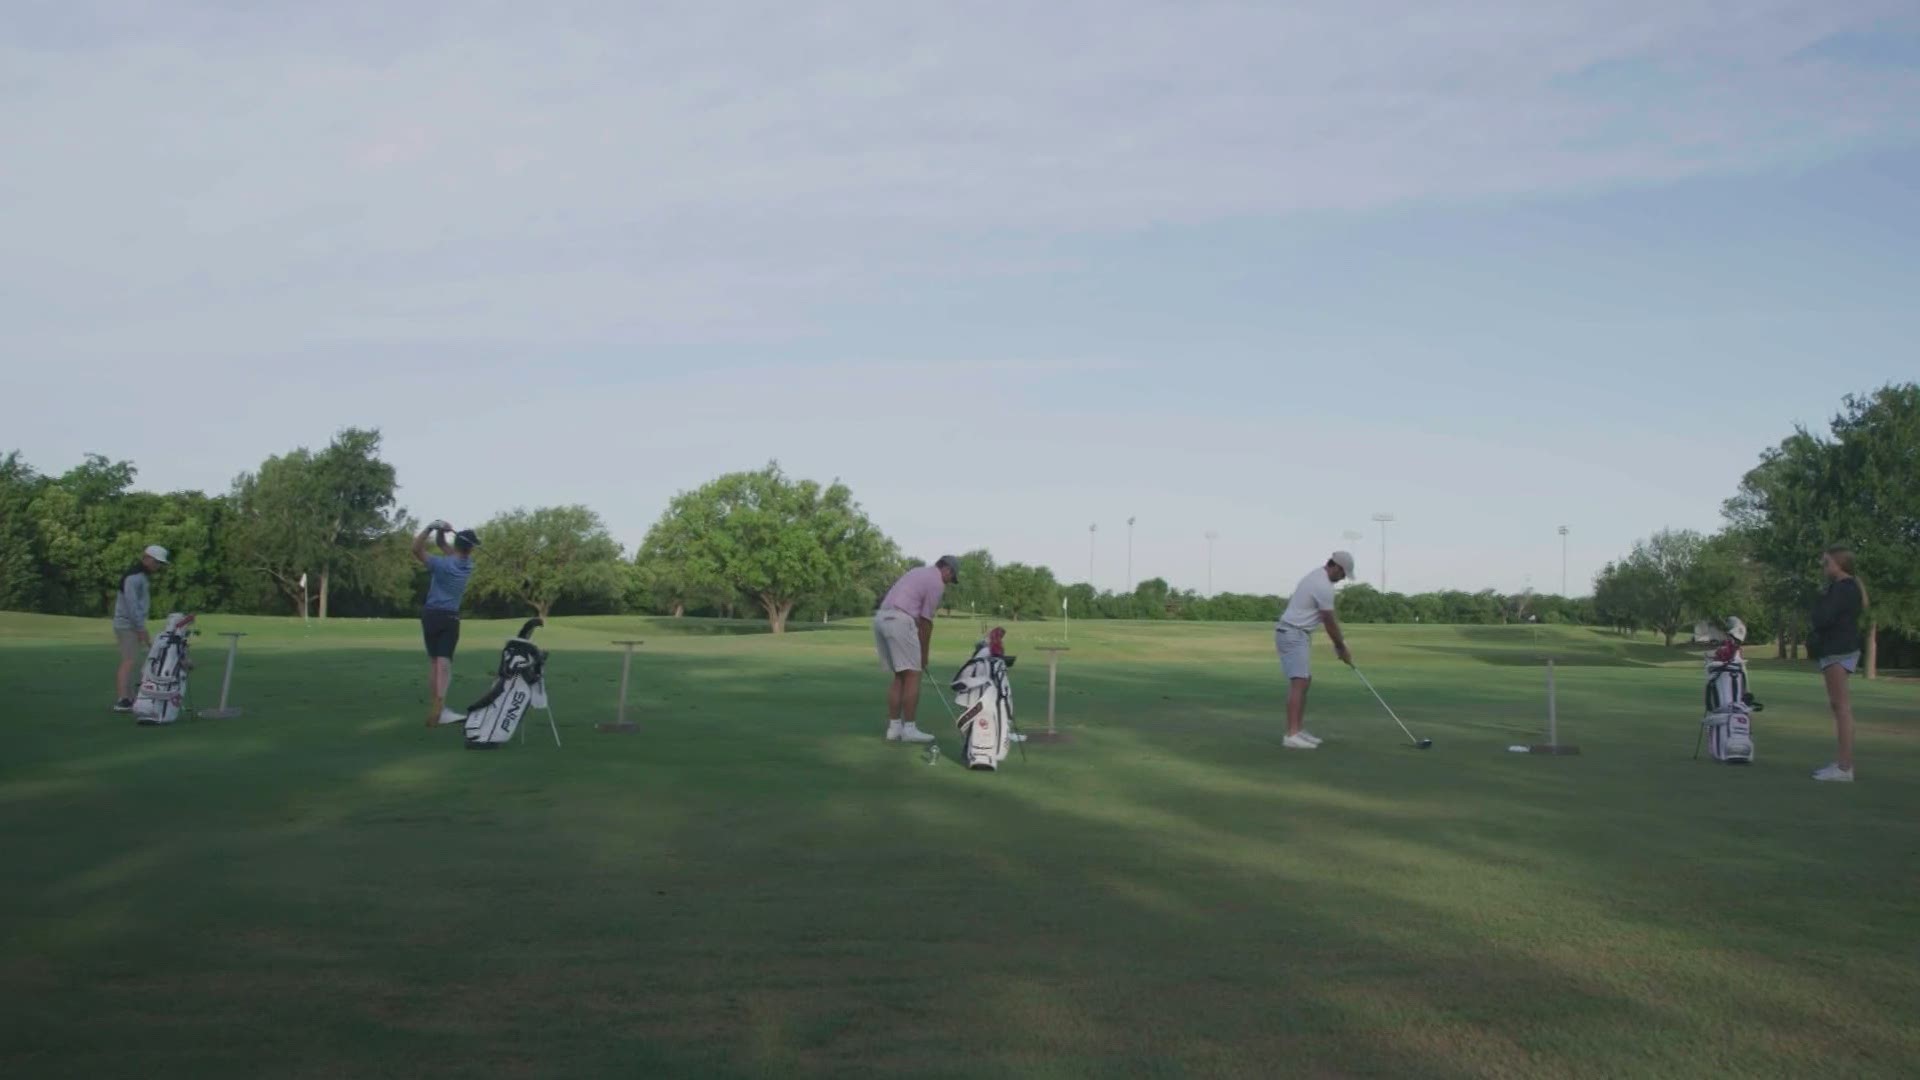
[951, 715]
[1424, 744]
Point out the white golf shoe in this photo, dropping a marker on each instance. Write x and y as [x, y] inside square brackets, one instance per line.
[1300, 741]
[448, 716]
[1835, 773]
[907, 733]
[1311, 737]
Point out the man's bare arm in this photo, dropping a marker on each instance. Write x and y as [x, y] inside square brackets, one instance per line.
[925, 626]
[420, 546]
[1332, 623]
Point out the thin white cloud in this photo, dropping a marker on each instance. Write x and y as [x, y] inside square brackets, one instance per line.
[664, 173]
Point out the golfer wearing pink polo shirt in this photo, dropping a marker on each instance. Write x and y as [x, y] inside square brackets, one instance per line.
[903, 634]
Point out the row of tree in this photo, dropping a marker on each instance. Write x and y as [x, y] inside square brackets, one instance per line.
[1857, 484]
[324, 529]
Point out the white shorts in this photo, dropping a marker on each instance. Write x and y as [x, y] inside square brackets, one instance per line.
[896, 636]
[1296, 652]
[1849, 661]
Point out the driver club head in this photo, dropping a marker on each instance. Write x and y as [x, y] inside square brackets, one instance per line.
[1424, 744]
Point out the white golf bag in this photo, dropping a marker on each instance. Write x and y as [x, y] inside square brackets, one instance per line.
[163, 681]
[1728, 724]
[985, 697]
[518, 688]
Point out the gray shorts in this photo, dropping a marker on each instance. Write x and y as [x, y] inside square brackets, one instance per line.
[129, 642]
[1296, 652]
[1850, 661]
[896, 637]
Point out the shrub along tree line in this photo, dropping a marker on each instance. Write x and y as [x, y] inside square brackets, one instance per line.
[765, 545]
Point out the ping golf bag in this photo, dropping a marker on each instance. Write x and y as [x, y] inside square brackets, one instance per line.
[163, 681]
[985, 698]
[1728, 725]
[517, 689]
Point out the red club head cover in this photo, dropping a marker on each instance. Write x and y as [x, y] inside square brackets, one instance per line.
[996, 642]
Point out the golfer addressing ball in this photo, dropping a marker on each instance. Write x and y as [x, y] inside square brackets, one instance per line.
[1311, 606]
[440, 615]
[903, 635]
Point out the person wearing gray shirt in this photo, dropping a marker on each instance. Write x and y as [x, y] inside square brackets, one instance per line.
[130, 606]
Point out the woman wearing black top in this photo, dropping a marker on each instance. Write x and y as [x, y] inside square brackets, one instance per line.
[1835, 642]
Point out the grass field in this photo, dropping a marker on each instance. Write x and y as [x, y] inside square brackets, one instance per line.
[757, 885]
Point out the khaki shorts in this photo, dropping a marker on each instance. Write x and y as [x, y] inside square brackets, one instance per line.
[129, 642]
[896, 636]
[1296, 652]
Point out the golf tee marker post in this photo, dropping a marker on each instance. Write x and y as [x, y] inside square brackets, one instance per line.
[1553, 745]
[620, 722]
[225, 711]
[1053, 734]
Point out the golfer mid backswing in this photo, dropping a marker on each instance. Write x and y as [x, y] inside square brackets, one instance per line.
[903, 634]
[440, 615]
[1311, 606]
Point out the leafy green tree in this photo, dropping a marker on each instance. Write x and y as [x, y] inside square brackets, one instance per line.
[537, 558]
[777, 540]
[322, 515]
[978, 587]
[1719, 584]
[78, 518]
[1782, 518]
[1668, 558]
[1080, 600]
[354, 493]
[1027, 591]
[1362, 603]
[1152, 599]
[21, 554]
[1877, 504]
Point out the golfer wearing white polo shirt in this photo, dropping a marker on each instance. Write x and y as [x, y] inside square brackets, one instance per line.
[1311, 606]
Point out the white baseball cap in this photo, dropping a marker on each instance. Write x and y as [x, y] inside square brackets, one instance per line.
[157, 553]
[1344, 560]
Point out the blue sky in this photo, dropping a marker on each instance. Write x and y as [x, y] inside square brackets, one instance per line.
[1007, 271]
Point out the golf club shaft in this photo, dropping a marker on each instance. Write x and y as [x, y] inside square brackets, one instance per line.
[951, 715]
[1383, 703]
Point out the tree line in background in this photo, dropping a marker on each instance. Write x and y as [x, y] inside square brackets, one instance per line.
[324, 529]
[1855, 485]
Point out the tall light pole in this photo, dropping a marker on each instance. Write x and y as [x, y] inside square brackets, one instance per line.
[1384, 520]
[1211, 537]
[1091, 530]
[1563, 560]
[1129, 554]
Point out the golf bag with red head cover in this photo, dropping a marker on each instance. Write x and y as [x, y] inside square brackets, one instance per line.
[1728, 724]
[985, 697]
[163, 681]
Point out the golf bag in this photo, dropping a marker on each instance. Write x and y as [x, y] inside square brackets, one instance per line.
[163, 681]
[985, 698]
[1728, 724]
[517, 689]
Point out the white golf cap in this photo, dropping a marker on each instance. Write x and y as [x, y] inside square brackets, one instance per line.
[1343, 559]
[157, 553]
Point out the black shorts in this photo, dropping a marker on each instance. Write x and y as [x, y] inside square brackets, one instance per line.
[442, 631]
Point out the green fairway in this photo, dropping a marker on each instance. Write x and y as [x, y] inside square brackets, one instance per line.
[757, 885]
